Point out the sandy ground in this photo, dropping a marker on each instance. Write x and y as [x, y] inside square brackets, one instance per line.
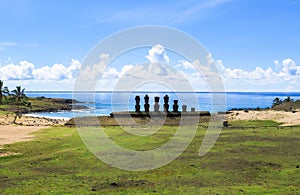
[30, 120]
[15, 133]
[11, 133]
[287, 118]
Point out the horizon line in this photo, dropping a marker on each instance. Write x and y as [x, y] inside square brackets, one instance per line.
[107, 91]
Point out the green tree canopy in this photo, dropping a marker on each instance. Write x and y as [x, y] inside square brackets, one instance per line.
[3, 92]
[19, 99]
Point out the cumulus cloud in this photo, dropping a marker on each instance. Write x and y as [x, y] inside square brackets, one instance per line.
[210, 59]
[101, 70]
[158, 54]
[289, 68]
[285, 71]
[21, 71]
[238, 74]
[27, 71]
[284, 74]
[185, 64]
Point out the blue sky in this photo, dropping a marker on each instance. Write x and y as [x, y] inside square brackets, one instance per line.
[245, 37]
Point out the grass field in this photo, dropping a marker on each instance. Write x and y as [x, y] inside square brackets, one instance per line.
[249, 161]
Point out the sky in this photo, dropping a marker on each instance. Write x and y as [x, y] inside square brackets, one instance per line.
[255, 44]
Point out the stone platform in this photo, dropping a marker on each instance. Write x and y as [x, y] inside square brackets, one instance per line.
[159, 114]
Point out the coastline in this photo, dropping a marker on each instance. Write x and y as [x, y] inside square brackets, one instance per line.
[38, 115]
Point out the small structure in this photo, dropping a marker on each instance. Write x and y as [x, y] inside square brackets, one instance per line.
[137, 104]
[225, 123]
[166, 103]
[156, 104]
[146, 105]
[175, 106]
[184, 108]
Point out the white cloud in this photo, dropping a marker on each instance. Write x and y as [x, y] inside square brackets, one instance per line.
[210, 60]
[185, 64]
[125, 69]
[21, 71]
[284, 76]
[289, 68]
[158, 54]
[4, 45]
[27, 71]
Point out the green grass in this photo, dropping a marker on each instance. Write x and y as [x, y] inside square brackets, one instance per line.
[44, 104]
[3, 112]
[251, 161]
[254, 123]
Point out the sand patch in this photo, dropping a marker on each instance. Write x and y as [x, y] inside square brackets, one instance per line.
[15, 133]
[287, 118]
[8, 119]
[12, 133]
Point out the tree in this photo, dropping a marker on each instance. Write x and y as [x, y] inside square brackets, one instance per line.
[18, 99]
[276, 102]
[3, 92]
[288, 99]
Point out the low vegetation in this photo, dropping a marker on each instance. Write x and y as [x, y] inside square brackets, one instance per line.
[17, 102]
[250, 161]
[288, 104]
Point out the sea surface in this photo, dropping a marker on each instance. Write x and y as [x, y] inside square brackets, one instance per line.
[103, 103]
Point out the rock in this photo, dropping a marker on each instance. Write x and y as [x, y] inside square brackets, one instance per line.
[114, 184]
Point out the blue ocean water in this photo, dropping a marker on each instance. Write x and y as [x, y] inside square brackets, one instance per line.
[103, 103]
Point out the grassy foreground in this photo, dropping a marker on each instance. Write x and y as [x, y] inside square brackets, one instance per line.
[250, 161]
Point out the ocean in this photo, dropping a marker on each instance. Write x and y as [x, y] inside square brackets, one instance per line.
[103, 103]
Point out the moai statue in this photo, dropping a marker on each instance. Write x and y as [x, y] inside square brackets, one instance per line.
[166, 103]
[146, 105]
[137, 104]
[193, 109]
[184, 108]
[156, 105]
[175, 106]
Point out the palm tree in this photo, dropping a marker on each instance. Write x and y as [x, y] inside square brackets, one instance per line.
[288, 99]
[276, 102]
[3, 92]
[20, 100]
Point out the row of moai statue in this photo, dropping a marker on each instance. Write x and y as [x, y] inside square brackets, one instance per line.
[156, 104]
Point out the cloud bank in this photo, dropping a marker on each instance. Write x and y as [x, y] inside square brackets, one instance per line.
[288, 72]
[283, 76]
[27, 71]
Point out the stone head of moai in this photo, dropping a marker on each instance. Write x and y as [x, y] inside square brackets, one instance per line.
[175, 106]
[166, 99]
[146, 98]
[156, 99]
[156, 104]
[137, 99]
